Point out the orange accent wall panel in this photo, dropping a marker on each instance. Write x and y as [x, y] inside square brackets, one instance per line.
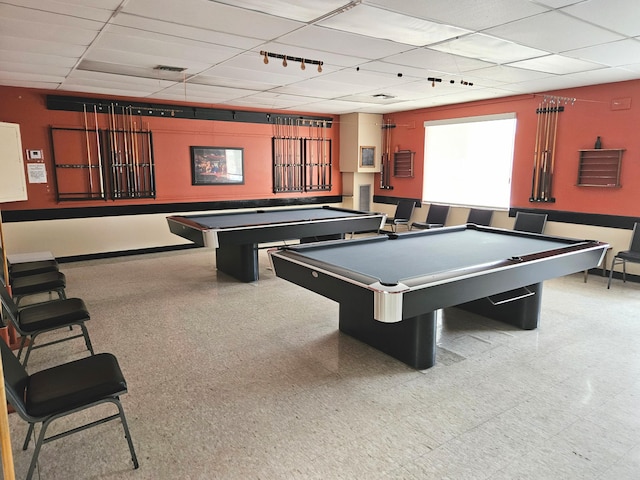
[593, 114]
[172, 139]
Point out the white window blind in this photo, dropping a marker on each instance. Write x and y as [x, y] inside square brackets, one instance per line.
[468, 161]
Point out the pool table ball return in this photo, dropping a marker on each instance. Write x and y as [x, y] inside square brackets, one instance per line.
[236, 236]
[389, 288]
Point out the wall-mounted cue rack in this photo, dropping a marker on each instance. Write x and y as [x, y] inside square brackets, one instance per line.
[94, 163]
[385, 161]
[301, 155]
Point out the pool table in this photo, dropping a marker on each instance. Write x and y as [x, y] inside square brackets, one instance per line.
[236, 236]
[390, 287]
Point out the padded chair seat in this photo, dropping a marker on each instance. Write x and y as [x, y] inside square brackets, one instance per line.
[426, 226]
[629, 255]
[53, 314]
[32, 268]
[74, 384]
[42, 282]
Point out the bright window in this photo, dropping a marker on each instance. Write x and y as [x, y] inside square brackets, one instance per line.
[468, 161]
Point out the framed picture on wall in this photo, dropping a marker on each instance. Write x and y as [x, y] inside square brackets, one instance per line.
[217, 166]
[367, 156]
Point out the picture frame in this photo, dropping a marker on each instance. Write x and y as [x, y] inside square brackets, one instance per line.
[367, 156]
[217, 165]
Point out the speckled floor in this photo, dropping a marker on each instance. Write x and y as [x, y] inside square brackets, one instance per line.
[230, 380]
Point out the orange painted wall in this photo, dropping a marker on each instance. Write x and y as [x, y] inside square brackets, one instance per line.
[578, 126]
[172, 138]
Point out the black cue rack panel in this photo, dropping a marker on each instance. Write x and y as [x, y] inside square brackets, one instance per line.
[92, 164]
[403, 164]
[301, 156]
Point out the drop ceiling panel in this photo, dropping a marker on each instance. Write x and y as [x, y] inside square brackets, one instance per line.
[619, 15]
[177, 31]
[470, 14]
[327, 39]
[439, 61]
[554, 32]
[99, 10]
[488, 48]
[301, 10]
[41, 47]
[612, 54]
[35, 58]
[557, 64]
[378, 23]
[213, 16]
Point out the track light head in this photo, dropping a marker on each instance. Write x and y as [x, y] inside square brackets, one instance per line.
[302, 65]
[266, 58]
[320, 67]
[284, 62]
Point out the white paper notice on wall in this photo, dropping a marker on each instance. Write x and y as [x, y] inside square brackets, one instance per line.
[37, 172]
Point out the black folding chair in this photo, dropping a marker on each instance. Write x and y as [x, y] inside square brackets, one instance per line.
[33, 320]
[27, 285]
[530, 222]
[30, 268]
[56, 392]
[631, 255]
[436, 217]
[403, 213]
[480, 216]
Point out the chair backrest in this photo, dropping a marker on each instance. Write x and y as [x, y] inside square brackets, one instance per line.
[404, 210]
[437, 214]
[634, 246]
[530, 222]
[16, 380]
[8, 304]
[480, 216]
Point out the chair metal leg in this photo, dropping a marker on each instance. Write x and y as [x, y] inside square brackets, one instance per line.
[22, 342]
[87, 341]
[127, 434]
[36, 451]
[624, 271]
[28, 437]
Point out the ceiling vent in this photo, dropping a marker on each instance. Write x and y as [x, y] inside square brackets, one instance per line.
[383, 96]
[168, 68]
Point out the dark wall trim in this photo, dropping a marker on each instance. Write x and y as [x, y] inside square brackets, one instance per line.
[119, 210]
[579, 218]
[103, 105]
[394, 200]
[595, 219]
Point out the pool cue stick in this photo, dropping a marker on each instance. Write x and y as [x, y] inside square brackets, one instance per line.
[152, 182]
[553, 147]
[136, 156]
[86, 134]
[101, 180]
[545, 173]
[540, 149]
[143, 165]
[125, 143]
[114, 152]
[536, 152]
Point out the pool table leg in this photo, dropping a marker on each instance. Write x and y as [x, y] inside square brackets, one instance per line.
[523, 313]
[239, 261]
[412, 341]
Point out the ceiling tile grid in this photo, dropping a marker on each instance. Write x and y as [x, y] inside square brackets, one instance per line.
[377, 56]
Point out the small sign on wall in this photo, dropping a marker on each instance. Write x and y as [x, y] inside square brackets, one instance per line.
[37, 172]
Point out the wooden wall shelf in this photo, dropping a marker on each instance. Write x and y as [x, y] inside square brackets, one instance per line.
[403, 163]
[600, 168]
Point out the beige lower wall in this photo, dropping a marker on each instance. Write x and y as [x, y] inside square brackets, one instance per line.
[90, 236]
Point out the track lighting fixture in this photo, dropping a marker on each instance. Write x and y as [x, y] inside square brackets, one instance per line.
[286, 58]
